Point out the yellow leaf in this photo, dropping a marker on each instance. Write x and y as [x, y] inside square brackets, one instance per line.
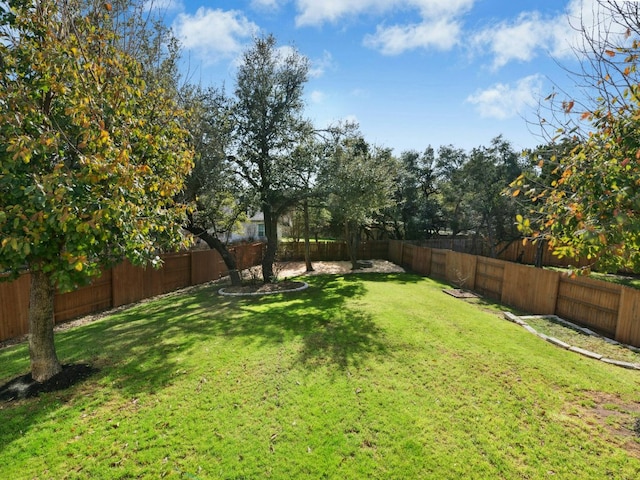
[78, 266]
[516, 193]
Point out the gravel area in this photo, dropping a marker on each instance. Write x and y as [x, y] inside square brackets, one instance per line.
[286, 270]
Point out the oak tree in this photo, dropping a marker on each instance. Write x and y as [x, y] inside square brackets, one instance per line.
[268, 126]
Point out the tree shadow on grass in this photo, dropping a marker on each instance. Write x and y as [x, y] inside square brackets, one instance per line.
[331, 332]
[138, 350]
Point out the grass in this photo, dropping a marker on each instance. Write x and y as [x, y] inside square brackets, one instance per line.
[582, 340]
[632, 281]
[360, 376]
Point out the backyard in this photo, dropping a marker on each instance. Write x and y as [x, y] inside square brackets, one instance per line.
[371, 375]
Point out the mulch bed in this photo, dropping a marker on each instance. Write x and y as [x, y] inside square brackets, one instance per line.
[26, 387]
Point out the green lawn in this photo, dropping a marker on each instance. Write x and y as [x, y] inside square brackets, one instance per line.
[358, 377]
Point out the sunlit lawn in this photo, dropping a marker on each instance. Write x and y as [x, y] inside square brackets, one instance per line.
[360, 376]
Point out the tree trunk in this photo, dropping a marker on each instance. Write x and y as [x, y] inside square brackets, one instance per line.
[216, 244]
[307, 247]
[352, 245]
[271, 231]
[42, 350]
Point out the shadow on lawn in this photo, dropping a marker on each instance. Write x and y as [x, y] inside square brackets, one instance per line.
[332, 333]
[138, 350]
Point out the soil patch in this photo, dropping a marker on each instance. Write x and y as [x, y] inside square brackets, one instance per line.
[26, 387]
[459, 293]
[621, 419]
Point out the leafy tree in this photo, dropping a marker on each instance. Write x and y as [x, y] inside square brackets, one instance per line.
[268, 126]
[590, 207]
[472, 187]
[592, 210]
[218, 198]
[541, 169]
[319, 221]
[487, 174]
[360, 182]
[453, 190]
[415, 214]
[90, 159]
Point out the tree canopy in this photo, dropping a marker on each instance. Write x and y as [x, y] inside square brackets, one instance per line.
[90, 159]
[590, 205]
[268, 127]
[360, 182]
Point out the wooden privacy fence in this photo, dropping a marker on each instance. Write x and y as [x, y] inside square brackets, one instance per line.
[607, 308]
[332, 251]
[120, 285]
[514, 251]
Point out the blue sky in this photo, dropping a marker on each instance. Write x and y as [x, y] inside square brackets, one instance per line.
[412, 73]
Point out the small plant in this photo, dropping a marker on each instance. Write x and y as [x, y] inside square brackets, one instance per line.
[278, 267]
[460, 279]
[253, 276]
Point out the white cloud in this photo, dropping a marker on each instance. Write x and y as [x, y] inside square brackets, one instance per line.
[439, 24]
[520, 40]
[321, 65]
[316, 12]
[531, 34]
[266, 4]
[317, 96]
[442, 34]
[502, 101]
[214, 34]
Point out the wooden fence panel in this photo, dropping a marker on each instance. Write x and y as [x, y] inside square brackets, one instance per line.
[395, 251]
[128, 284]
[374, 249]
[407, 255]
[177, 272]
[590, 302]
[331, 251]
[319, 251]
[422, 261]
[628, 327]
[247, 255]
[121, 285]
[489, 277]
[461, 269]
[206, 265]
[14, 307]
[530, 289]
[92, 298]
[439, 263]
